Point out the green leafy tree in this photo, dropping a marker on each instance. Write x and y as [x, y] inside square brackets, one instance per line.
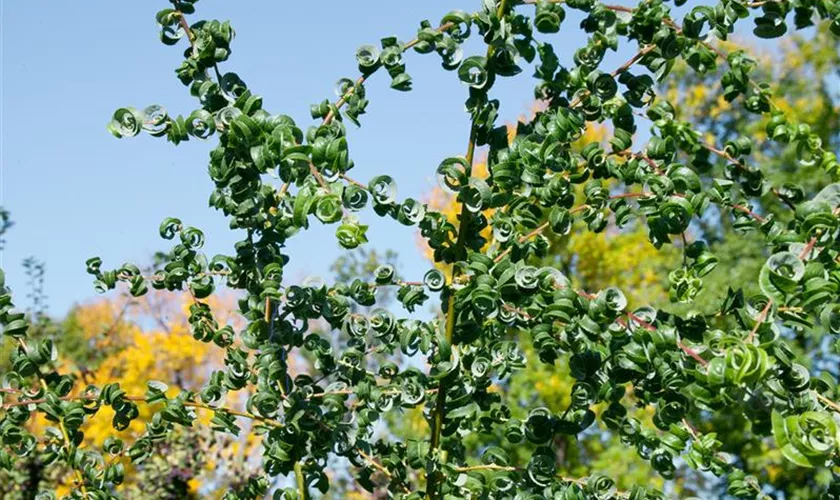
[622, 257]
[801, 71]
[502, 308]
[596, 261]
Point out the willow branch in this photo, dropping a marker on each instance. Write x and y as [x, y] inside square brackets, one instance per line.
[463, 223]
[511, 468]
[301, 484]
[361, 79]
[376, 465]
[192, 404]
[68, 443]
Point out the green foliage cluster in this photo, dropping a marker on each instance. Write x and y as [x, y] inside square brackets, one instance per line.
[736, 358]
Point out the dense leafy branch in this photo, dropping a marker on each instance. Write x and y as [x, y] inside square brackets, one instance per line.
[363, 362]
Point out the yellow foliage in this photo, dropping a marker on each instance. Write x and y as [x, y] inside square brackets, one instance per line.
[103, 323]
[167, 353]
[122, 351]
[695, 101]
[628, 470]
[551, 385]
[624, 259]
[157, 355]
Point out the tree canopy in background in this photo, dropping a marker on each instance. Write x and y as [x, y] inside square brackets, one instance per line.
[637, 285]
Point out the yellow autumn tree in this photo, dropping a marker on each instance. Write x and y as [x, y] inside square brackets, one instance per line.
[130, 341]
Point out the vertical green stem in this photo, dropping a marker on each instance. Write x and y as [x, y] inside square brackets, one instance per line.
[301, 484]
[80, 479]
[460, 251]
[440, 404]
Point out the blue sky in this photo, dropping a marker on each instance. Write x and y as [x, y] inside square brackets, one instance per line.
[75, 191]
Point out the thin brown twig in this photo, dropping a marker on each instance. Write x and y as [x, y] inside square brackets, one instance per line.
[807, 250]
[315, 173]
[624, 67]
[735, 162]
[783, 199]
[354, 182]
[759, 320]
[511, 468]
[684, 348]
[691, 352]
[361, 79]
[408, 283]
[762, 316]
[182, 20]
[522, 239]
[644, 157]
[630, 195]
[749, 212]
[690, 428]
[633, 60]
[369, 459]
[542, 227]
[834, 406]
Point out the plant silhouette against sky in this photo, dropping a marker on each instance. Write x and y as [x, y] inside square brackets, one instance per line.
[273, 179]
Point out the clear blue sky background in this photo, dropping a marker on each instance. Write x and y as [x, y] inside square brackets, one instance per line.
[75, 191]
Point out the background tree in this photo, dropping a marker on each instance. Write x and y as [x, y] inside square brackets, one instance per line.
[129, 341]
